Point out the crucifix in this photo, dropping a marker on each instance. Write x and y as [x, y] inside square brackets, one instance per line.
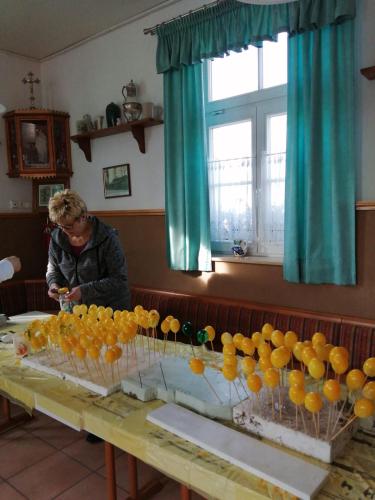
[29, 79]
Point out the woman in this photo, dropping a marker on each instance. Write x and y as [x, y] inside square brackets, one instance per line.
[85, 255]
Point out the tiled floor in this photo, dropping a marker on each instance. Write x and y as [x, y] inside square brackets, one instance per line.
[45, 460]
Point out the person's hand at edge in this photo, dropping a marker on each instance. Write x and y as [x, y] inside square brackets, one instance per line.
[15, 262]
[53, 292]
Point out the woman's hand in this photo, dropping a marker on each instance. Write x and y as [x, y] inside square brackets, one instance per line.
[74, 294]
[52, 292]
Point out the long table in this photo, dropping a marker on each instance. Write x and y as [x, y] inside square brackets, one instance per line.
[121, 421]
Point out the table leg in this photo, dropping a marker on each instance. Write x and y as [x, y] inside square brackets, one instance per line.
[148, 490]
[7, 422]
[185, 492]
[132, 476]
[110, 470]
[6, 409]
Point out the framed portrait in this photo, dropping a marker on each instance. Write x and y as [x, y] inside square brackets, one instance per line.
[44, 189]
[116, 181]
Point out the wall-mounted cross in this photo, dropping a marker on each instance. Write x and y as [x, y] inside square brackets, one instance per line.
[29, 79]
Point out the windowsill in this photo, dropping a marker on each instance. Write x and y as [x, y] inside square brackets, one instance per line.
[267, 261]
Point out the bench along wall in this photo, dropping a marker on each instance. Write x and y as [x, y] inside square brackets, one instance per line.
[142, 234]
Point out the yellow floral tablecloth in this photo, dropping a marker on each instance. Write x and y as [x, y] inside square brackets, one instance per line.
[121, 420]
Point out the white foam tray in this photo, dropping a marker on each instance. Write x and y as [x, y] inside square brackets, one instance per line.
[180, 385]
[63, 369]
[292, 474]
[285, 434]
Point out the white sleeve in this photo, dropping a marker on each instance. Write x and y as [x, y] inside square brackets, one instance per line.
[6, 270]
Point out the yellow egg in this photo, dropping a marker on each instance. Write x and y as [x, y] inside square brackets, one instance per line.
[308, 354]
[280, 357]
[229, 349]
[313, 402]
[247, 346]
[80, 352]
[264, 350]
[297, 350]
[369, 367]
[277, 338]
[290, 339]
[248, 365]
[254, 382]
[355, 379]
[229, 372]
[296, 377]
[174, 325]
[230, 360]
[165, 326]
[297, 395]
[318, 338]
[338, 352]
[339, 364]
[369, 390]
[331, 390]
[364, 408]
[267, 330]
[93, 352]
[257, 339]
[237, 340]
[226, 338]
[196, 366]
[271, 378]
[264, 363]
[327, 350]
[211, 332]
[320, 352]
[110, 356]
[316, 368]
[111, 338]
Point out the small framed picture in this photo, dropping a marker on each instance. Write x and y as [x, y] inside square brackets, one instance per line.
[116, 181]
[44, 189]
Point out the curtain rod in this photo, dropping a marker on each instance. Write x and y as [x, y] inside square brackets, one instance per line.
[152, 30]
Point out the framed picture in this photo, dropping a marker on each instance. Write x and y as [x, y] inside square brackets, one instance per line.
[44, 189]
[116, 181]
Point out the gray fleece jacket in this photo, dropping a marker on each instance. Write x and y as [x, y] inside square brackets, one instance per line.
[100, 270]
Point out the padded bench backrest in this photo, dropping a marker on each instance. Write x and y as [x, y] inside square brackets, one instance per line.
[246, 317]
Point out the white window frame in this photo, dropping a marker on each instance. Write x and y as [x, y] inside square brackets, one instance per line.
[256, 106]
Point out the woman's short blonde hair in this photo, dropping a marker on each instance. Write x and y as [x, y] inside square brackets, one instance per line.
[66, 204]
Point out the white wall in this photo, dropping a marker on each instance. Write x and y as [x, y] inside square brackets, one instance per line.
[365, 123]
[14, 94]
[87, 78]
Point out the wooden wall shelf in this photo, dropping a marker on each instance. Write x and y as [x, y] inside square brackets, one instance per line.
[137, 128]
[369, 72]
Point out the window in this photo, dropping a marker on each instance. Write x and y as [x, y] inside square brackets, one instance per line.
[246, 124]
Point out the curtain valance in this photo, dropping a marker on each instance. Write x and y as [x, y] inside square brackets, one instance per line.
[232, 25]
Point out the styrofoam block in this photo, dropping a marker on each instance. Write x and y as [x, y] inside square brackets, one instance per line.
[292, 474]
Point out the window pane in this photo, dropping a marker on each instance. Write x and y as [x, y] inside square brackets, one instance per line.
[234, 74]
[231, 200]
[276, 133]
[271, 224]
[275, 59]
[231, 141]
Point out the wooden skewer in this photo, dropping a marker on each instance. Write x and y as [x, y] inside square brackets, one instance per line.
[238, 394]
[351, 420]
[338, 416]
[212, 388]
[303, 419]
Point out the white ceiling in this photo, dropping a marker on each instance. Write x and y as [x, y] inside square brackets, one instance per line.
[41, 28]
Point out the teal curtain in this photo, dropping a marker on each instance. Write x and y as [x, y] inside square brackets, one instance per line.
[232, 25]
[186, 179]
[182, 45]
[320, 174]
